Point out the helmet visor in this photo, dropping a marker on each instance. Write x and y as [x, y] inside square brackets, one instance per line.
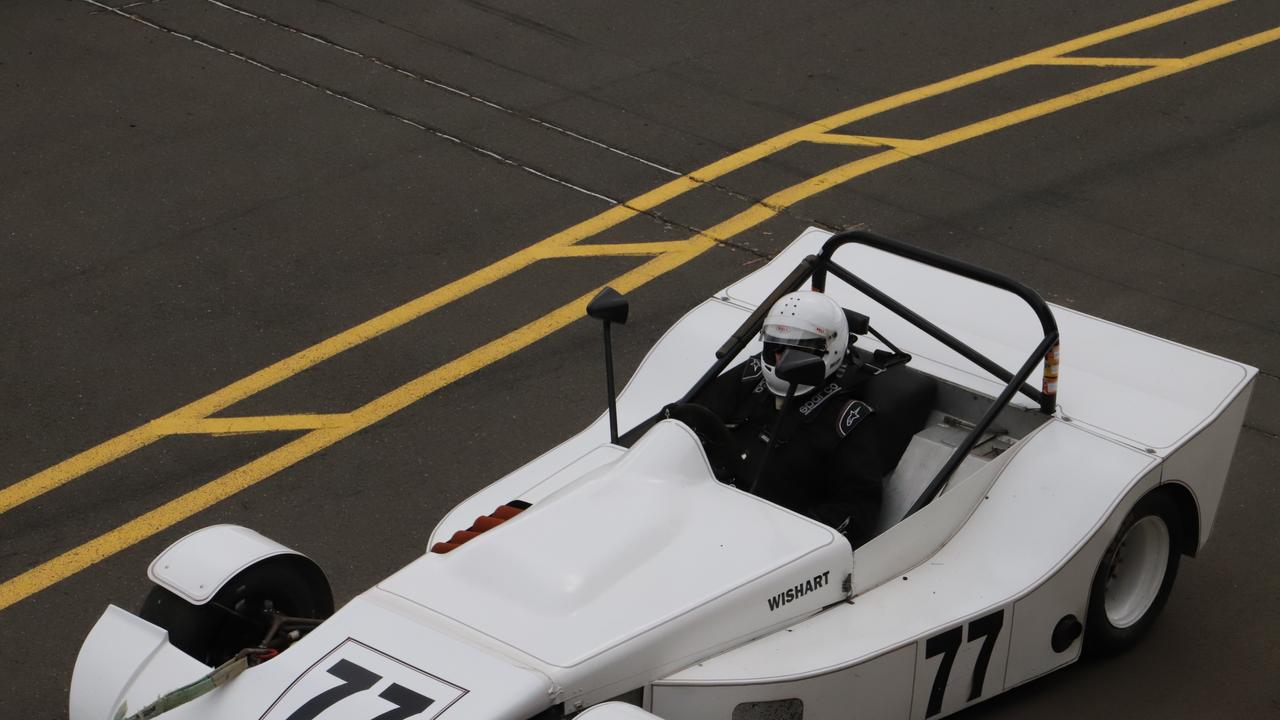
[775, 345]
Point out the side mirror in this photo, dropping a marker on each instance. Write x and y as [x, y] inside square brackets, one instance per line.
[797, 367]
[608, 306]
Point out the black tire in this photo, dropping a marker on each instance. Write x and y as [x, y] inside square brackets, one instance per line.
[234, 619]
[1111, 629]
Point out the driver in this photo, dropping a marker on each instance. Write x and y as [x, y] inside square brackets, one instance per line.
[835, 441]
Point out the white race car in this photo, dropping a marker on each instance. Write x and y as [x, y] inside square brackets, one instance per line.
[617, 578]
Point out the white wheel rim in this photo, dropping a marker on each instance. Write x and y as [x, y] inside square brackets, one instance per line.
[1137, 571]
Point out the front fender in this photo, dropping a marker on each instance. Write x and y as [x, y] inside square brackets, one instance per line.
[195, 567]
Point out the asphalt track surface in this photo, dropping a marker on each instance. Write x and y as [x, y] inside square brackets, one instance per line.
[315, 266]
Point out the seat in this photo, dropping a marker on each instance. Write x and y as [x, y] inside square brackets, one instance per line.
[924, 456]
[902, 399]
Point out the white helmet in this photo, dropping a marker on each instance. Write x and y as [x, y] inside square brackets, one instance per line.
[809, 321]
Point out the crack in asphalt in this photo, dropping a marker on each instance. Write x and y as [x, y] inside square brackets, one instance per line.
[1260, 431]
[643, 67]
[491, 62]
[354, 101]
[528, 117]
[315, 37]
[478, 149]
[130, 5]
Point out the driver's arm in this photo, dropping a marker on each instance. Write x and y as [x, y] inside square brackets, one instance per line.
[853, 483]
[724, 394]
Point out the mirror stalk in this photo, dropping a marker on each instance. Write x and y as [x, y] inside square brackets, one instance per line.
[608, 378]
[609, 307]
[795, 368]
[773, 436]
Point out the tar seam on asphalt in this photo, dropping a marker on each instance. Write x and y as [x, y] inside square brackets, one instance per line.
[354, 101]
[533, 119]
[1260, 431]
[510, 111]
[140, 2]
[512, 162]
[443, 86]
[410, 122]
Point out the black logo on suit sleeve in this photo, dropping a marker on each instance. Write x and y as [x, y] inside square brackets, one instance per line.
[854, 412]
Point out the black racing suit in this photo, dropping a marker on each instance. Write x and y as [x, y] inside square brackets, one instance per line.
[835, 444]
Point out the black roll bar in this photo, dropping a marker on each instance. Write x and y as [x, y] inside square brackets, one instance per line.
[817, 267]
[1046, 397]
[1046, 349]
[962, 450]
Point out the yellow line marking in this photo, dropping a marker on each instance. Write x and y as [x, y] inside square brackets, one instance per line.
[829, 138]
[1109, 61]
[781, 142]
[619, 249]
[238, 425]
[1094, 92]
[91, 459]
[671, 255]
[836, 176]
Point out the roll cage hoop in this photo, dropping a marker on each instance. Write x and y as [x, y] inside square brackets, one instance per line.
[819, 266]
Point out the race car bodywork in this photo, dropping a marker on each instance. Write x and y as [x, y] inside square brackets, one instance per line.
[626, 571]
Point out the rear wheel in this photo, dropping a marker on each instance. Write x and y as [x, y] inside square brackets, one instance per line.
[1135, 576]
[239, 615]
